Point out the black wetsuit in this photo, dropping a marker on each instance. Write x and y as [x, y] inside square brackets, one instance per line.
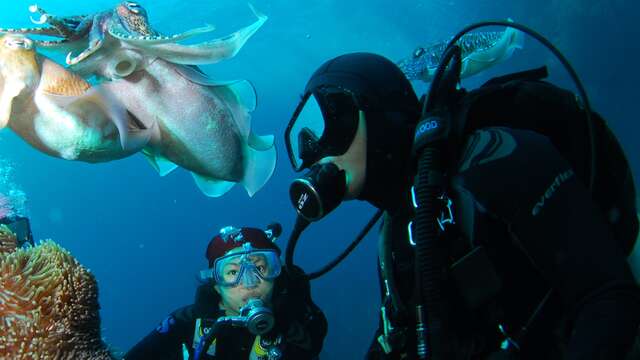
[300, 325]
[518, 198]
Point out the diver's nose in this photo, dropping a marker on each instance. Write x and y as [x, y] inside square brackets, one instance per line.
[250, 280]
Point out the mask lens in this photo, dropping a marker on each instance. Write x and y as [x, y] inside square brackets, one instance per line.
[247, 268]
[324, 125]
[307, 128]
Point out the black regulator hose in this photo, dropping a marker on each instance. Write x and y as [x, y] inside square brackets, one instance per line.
[298, 228]
[302, 223]
[431, 135]
[429, 257]
[325, 269]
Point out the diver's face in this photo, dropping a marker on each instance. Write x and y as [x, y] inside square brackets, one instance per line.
[354, 161]
[235, 297]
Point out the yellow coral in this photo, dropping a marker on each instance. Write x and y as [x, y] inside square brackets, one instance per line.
[48, 305]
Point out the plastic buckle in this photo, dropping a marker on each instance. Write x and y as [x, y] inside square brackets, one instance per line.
[448, 217]
[387, 328]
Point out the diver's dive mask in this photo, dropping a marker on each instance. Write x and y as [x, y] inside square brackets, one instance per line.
[21, 227]
[324, 124]
[248, 267]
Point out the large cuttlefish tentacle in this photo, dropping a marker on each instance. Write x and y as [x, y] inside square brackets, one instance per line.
[31, 31]
[158, 39]
[96, 39]
[70, 28]
[204, 53]
[131, 23]
[128, 21]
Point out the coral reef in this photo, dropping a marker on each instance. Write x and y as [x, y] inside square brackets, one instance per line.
[48, 304]
[8, 241]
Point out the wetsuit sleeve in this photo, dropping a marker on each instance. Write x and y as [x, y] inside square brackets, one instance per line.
[165, 341]
[518, 177]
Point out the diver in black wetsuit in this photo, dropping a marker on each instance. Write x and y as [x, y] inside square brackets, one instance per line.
[532, 264]
[280, 322]
[21, 227]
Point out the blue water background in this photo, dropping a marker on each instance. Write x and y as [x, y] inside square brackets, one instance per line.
[144, 236]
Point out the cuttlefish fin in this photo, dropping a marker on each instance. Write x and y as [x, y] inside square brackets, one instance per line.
[240, 95]
[244, 89]
[260, 162]
[212, 187]
[162, 165]
[11, 91]
[261, 143]
[209, 52]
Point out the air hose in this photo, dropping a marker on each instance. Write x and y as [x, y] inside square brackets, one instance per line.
[431, 135]
[302, 223]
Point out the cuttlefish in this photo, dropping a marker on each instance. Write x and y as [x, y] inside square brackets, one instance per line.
[197, 123]
[203, 125]
[86, 34]
[132, 49]
[480, 51]
[58, 112]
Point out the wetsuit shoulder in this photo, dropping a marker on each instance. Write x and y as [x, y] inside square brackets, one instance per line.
[165, 341]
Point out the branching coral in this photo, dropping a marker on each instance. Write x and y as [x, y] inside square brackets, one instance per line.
[48, 305]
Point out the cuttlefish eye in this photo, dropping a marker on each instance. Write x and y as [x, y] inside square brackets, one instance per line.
[133, 7]
[18, 43]
[418, 52]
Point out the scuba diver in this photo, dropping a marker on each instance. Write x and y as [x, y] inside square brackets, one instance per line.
[509, 211]
[21, 228]
[249, 307]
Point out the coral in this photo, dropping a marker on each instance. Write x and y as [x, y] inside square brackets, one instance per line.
[8, 241]
[48, 304]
